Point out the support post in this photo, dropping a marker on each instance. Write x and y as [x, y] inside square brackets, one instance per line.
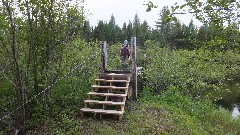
[134, 67]
[103, 56]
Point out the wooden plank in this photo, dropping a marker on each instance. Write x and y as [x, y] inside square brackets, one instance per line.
[114, 112]
[102, 111]
[117, 81]
[115, 87]
[104, 102]
[104, 55]
[104, 80]
[116, 95]
[93, 110]
[113, 74]
[100, 79]
[107, 94]
[134, 68]
[108, 87]
[98, 86]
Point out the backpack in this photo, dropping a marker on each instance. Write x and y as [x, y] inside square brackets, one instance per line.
[124, 51]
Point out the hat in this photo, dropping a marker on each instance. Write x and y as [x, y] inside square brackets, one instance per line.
[125, 42]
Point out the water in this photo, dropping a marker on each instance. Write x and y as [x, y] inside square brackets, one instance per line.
[231, 100]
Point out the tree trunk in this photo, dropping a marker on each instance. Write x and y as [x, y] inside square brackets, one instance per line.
[18, 80]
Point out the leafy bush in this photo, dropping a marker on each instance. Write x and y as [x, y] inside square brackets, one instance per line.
[79, 69]
[193, 72]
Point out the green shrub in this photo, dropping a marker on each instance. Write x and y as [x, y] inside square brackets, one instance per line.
[194, 72]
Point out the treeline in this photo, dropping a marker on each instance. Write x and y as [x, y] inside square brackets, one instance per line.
[173, 34]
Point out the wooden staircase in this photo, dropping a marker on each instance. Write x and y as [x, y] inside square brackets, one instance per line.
[108, 95]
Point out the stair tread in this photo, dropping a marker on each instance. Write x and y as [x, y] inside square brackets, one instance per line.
[114, 74]
[102, 111]
[104, 80]
[99, 86]
[115, 87]
[93, 110]
[107, 94]
[104, 102]
[100, 79]
[117, 81]
[114, 112]
[110, 87]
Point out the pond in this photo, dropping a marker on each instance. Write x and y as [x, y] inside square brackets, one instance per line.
[231, 99]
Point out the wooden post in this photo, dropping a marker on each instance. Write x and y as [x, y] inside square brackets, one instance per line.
[134, 68]
[104, 55]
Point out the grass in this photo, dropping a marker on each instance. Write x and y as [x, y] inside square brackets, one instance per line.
[170, 113]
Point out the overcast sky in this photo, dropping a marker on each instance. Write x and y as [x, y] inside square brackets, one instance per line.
[125, 10]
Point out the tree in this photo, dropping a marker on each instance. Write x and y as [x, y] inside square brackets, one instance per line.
[202, 34]
[129, 29]
[163, 27]
[111, 30]
[190, 35]
[124, 31]
[136, 24]
[86, 31]
[146, 31]
[34, 37]
[216, 14]
[99, 31]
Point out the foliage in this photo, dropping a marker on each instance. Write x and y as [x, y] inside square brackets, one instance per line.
[220, 31]
[69, 92]
[214, 11]
[193, 72]
[35, 38]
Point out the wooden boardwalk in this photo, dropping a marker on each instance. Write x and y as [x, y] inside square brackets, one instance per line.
[108, 95]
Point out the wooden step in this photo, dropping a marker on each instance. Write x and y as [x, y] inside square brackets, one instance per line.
[115, 87]
[93, 110]
[114, 112]
[107, 94]
[100, 79]
[104, 80]
[113, 74]
[104, 102]
[117, 81]
[102, 111]
[108, 87]
[98, 86]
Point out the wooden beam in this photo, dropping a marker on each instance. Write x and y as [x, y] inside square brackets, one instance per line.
[134, 67]
[104, 55]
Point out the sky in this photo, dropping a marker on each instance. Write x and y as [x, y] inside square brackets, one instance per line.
[125, 10]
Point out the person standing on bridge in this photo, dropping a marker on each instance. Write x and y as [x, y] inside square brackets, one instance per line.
[124, 54]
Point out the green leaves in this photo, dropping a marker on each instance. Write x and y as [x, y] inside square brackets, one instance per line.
[192, 72]
[208, 12]
[166, 19]
[182, 6]
[150, 5]
[174, 19]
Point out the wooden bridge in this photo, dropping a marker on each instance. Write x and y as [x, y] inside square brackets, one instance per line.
[112, 88]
